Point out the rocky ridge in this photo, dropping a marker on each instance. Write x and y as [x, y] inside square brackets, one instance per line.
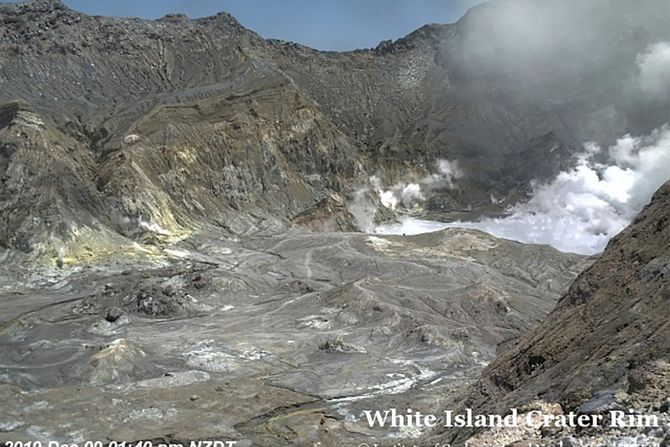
[605, 345]
[161, 128]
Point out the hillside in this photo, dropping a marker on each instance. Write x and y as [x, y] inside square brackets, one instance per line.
[170, 125]
[606, 344]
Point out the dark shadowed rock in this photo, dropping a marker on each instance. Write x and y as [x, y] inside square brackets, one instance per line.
[113, 314]
[607, 333]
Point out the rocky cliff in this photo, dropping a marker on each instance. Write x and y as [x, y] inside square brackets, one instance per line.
[128, 128]
[164, 170]
[606, 344]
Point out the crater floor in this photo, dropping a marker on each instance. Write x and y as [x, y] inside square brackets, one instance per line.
[273, 340]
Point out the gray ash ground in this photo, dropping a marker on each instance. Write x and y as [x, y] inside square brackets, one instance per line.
[275, 340]
[154, 283]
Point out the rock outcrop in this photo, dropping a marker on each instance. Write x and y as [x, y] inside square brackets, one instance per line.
[606, 344]
[141, 129]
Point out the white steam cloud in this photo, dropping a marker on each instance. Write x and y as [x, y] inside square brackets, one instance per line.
[143, 225]
[363, 210]
[583, 208]
[654, 65]
[411, 195]
[447, 172]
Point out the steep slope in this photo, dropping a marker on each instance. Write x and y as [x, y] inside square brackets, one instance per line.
[173, 125]
[182, 123]
[481, 90]
[608, 332]
[48, 181]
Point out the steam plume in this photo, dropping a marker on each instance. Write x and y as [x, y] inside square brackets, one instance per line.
[654, 67]
[581, 209]
[411, 195]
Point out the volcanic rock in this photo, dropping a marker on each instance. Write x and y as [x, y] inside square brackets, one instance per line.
[607, 333]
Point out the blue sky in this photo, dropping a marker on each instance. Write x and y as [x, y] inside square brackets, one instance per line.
[322, 24]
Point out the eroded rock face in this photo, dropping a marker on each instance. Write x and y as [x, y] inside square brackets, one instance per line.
[605, 346]
[152, 130]
[159, 166]
[153, 147]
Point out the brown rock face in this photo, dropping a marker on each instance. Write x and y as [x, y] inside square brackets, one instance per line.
[610, 331]
[173, 125]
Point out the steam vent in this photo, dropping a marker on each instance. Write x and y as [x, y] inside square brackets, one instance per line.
[213, 234]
